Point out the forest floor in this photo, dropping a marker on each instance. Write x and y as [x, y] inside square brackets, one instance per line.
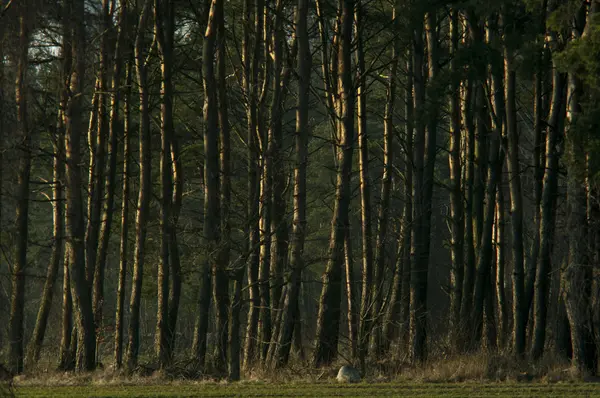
[323, 389]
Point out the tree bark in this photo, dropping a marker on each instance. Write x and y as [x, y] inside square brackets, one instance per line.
[456, 195]
[369, 310]
[17, 306]
[424, 164]
[328, 320]
[164, 20]
[75, 230]
[290, 308]
[548, 208]
[124, 237]
[145, 191]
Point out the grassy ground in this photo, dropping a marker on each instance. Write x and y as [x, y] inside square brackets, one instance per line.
[255, 389]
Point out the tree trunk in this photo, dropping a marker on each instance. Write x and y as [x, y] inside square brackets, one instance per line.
[124, 237]
[65, 359]
[424, 164]
[222, 299]
[144, 194]
[328, 320]
[164, 15]
[500, 266]
[548, 208]
[538, 166]
[115, 125]
[483, 291]
[393, 309]
[56, 257]
[251, 89]
[578, 275]
[17, 307]
[290, 308]
[80, 287]
[371, 292]
[456, 195]
[516, 196]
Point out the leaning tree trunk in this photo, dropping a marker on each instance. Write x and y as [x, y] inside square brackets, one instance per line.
[328, 320]
[56, 257]
[17, 306]
[145, 188]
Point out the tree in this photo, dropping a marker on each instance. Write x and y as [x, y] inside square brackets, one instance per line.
[15, 332]
[141, 215]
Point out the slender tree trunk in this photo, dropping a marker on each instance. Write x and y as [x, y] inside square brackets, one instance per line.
[80, 287]
[408, 218]
[424, 164]
[164, 19]
[483, 291]
[221, 291]
[351, 296]
[456, 195]
[538, 167]
[470, 263]
[17, 306]
[251, 89]
[56, 257]
[393, 309]
[369, 310]
[65, 359]
[500, 266]
[96, 183]
[548, 208]
[328, 320]
[124, 237]
[516, 196]
[578, 274]
[145, 188]
[279, 221]
[290, 309]
[115, 124]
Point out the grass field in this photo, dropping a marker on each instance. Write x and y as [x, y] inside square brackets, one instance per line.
[251, 389]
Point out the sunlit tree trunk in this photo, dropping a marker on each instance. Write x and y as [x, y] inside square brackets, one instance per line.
[145, 191]
[393, 310]
[124, 237]
[290, 309]
[115, 125]
[328, 320]
[251, 90]
[456, 195]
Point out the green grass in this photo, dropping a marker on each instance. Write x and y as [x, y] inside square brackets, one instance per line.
[250, 389]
